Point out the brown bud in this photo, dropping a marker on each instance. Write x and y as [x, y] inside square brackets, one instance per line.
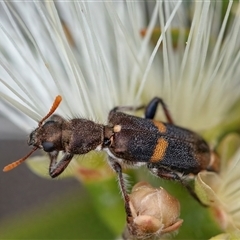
[154, 212]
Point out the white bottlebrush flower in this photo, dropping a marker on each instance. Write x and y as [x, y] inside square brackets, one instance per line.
[110, 64]
[93, 66]
[91, 74]
[93, 55]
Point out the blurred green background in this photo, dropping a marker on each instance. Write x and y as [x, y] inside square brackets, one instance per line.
[35, 208]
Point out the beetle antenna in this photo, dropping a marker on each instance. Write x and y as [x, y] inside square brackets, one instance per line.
[18, 162]
[55, 105]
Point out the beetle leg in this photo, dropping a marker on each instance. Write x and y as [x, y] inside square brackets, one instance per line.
[118, 169]
[57, 168]
[151, 109]
[127, 108]
[53, 159]
[168, 174]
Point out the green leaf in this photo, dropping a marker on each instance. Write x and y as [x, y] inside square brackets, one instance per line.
[71, 217]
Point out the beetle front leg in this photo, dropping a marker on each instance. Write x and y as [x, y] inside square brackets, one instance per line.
[53, 160]
[57, 168]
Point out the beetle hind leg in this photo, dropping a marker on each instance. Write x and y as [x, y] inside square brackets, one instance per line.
[151, 109]
[168, 174]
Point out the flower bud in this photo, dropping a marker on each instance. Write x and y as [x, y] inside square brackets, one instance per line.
[154, 212]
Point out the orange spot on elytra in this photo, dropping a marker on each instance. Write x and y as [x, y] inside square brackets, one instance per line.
[161, 127]
[159, 150]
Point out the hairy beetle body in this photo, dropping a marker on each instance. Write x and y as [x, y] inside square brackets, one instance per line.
[167, 150]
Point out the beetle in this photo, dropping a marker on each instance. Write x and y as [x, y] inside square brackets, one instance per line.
[168, 151]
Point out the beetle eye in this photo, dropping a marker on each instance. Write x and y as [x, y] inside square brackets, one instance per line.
[48, 146]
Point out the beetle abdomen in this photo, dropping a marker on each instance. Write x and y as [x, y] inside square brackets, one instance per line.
[185, 152]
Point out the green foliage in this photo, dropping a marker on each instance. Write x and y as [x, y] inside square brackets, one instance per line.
[100, 215]
[72, 217]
